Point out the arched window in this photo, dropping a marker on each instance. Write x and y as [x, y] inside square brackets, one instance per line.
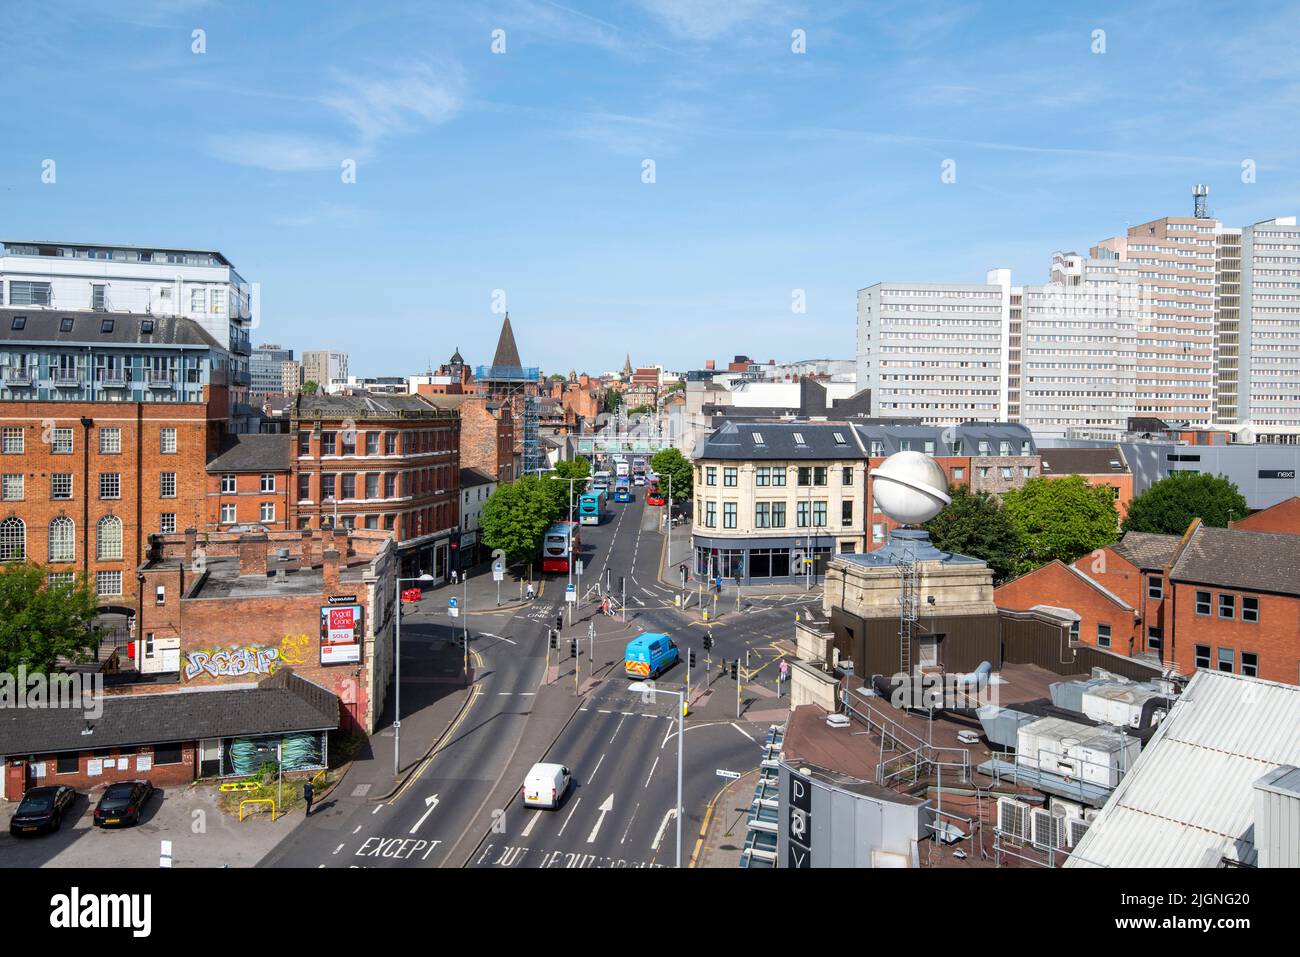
[108, 538]
[63, 537]
[13, 539]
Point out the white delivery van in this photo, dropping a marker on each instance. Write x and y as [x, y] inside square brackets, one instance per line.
[545, 785]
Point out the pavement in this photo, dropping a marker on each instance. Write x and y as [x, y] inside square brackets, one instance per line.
[187, 819]
[722, 835]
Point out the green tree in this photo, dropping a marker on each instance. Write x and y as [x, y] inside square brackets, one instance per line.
[613, 401]
[671, 462]
[1169, 505]
[1060, 518]
[579, 467]
[40, 623]
[645, 409]
[516, 516]
[310, 387]
[977, 524]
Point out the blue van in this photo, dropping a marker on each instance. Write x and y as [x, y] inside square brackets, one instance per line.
[649, 656]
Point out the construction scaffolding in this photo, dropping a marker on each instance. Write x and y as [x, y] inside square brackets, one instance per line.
[516, 386]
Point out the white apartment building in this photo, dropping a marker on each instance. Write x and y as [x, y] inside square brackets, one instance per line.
[935, 351]
[192, 283]
[328, 369]
[1268, 373]
[1077, 346]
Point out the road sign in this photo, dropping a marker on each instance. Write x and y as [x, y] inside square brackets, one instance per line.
[498, 571]
[453, 609]
[570, 593]
[724, 773]
[578, 566]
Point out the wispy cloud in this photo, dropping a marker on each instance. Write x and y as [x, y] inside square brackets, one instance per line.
[702, 20]
[377, 107]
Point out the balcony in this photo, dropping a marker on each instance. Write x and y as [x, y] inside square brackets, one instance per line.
[161, 380]
[66, 378]
[113, 380]
[15, 378]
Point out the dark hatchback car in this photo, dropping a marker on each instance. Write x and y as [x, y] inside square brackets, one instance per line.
[122, 803]
[42, 809]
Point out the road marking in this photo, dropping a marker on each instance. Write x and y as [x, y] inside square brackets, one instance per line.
[652, 771]
[378, 808]
[742, 731]
[604, 809]
[356, 829]
[569, 818]
[339, 848]
[528, 828]
[429, 804]
[616, 730]
[629, 823]
[654, 845]
[593, 773]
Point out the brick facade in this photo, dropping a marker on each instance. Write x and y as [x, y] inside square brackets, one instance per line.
[111, 454]
[1106, 620]
[1282, 517]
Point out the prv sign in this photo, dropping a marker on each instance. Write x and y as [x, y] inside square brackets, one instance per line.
[799, 823]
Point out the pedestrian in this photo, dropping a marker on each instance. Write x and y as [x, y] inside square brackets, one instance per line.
[530, 591]
[453, 576]
[308, 792]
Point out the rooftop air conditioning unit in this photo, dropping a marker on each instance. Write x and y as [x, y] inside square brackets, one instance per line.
[1013, 819]
[1048, 829]
[1075, 828]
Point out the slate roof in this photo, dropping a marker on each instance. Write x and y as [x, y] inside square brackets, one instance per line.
[256, 452]
[1147, 549]
[734, 442]
[1232, 558]
[282, 702]
[507, 354]
[1083, 461]
[472, 477]
[386, 406]
[42, 325]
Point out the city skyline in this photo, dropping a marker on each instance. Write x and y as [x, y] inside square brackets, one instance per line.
[777, 182]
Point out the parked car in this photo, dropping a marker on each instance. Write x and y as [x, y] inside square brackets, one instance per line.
[545, 785]
[42, 809]
[122, 803]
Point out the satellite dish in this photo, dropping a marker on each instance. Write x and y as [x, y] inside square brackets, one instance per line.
[910, 487]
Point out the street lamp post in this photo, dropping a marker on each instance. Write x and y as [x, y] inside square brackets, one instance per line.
[397, 659]
[644, 687]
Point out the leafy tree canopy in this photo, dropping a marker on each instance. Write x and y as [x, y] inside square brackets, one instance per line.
[977, 524]
[1061, 518]
[516, 516]
[1169, 505]
[310, 387]
[39, 622]
[671, 462]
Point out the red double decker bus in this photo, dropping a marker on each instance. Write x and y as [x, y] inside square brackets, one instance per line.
[560, 546]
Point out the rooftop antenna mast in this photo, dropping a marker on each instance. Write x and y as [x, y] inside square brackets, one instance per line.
[1201, 201]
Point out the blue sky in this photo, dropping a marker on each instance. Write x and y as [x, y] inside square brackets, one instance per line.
[522, 171]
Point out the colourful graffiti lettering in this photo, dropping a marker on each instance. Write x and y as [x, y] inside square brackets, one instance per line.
[294, 649]
[231, 662]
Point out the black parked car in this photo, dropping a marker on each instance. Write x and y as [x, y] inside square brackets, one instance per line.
[42, 809]
[122, 803]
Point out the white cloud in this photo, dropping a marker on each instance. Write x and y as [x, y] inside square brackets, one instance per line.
[280, 152]
[701, 20]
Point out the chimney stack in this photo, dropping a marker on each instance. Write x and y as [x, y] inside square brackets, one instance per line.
[330, 571]
[252, 554]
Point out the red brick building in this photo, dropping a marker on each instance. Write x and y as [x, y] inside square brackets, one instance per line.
[380, 463]
[1101, 618]
[1282, 517]
[487, 434]
[250, 481]
[224, 608]
[1100, 468]
[86, 483]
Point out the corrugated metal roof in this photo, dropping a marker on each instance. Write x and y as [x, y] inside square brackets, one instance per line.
[1188, 800]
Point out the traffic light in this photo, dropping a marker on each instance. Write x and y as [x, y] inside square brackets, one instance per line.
[559, 620]
[690, 661]
[734, 672]
[708, 642]
[555, 638]
[620, 584]
[573, 647]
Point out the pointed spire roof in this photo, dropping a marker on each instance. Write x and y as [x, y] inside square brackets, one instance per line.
[507, 352]
[457, 358]
[627, 364]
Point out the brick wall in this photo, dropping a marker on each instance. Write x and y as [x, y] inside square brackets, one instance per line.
[1282, 517]
[162, 776]
[1274, 639]
[248, 499]
[139, 465]
[1055, 584]
[1117, 574]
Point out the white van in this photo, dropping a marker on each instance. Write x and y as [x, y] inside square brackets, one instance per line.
[545, 785]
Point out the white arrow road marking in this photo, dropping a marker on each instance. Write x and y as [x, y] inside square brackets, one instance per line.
[663, 826]
[430, 803]
[528, 828]
[604, 809]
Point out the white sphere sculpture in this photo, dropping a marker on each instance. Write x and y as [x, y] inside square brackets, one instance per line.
[910, 487]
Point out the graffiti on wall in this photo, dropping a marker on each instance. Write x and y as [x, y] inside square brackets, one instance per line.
[231, 662]
[295, 649]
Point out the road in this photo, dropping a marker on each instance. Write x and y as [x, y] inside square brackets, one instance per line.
[459, 807]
